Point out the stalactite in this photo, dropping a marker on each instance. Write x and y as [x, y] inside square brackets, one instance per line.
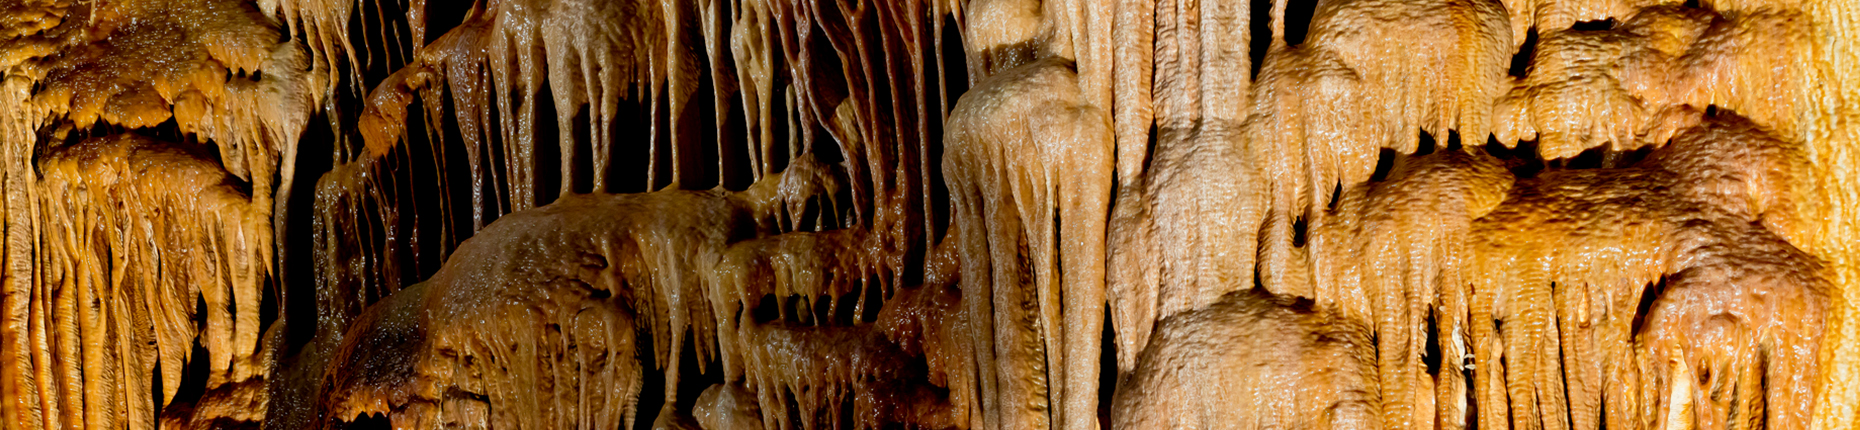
[1392, 255]
[1029, 168]
[643, 265]
[1563, 264]
[1629, 86]
[1199, 202]
[1308, 146]
[553, 338]
[1716, 333]
[111, 298]
[125, 309]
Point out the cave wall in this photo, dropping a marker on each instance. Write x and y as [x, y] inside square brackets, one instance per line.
[930, 213]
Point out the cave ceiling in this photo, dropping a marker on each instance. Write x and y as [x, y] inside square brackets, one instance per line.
[937, 214]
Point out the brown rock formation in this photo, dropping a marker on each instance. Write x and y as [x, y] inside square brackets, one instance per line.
[1253, 361]
[923, 214]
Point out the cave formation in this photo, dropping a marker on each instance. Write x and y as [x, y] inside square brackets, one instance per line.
[1351, 214]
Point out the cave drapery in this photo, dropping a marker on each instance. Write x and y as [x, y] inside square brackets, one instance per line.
[1400, 214]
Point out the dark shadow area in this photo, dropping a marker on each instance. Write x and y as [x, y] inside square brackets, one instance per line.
[1298, 16]
[295, 231]
[1521, 60]
[1259, 34]
[1385, 162]
[442, 16]
[546, 155]
[694, 376]
[1107, 370]
[365, 422]
[1597, 25]
[1522, 160]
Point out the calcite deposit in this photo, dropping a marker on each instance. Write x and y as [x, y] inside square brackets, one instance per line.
[940, 214]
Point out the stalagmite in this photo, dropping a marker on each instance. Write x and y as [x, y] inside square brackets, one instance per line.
[1253, 361]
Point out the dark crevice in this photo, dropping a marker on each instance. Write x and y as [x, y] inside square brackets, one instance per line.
[1648, 295]
[701, 166]
[1300, 231]
[155, 386]
[1521, 60]
[1431, 356]
[1601, 157]
[873, 302]
[652, 382]
[1521, 160]
[1425, 144]
[1107, 368]
[1260, 34]
[694, 374]
[846, 308]
[765, 310]
[367, 422]
[1298, 16]
[442, 16]
[1336, 195]
[823, 310]
[546, 153]
[1596, 25]
[427, 216]
[194, 374]
[1385, 162]
[296, 234]
[952, 74]
[732, 138]
[580, 173]
[630, 155]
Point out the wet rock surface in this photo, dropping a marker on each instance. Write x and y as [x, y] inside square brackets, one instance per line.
[1532, 214]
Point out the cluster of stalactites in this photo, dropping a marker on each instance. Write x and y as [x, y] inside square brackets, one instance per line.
[115, 306]
[113, 212]
[1392, 255]
[1296, 147]
[1029, 168]
[1261, 156]
[411, 356]
[1264, 155]
[1635, 85]
[524, 338]
[1564, 264]
[215, 67]
[486, 79]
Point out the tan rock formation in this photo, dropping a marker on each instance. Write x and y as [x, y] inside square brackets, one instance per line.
[923, 213]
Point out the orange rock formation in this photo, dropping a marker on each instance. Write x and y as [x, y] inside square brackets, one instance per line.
[1533, 214]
